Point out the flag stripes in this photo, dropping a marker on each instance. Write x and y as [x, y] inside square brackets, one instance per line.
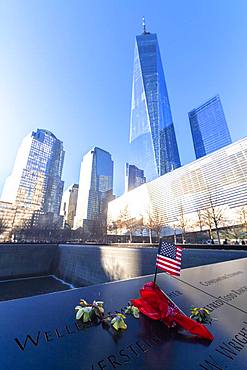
[169, 258]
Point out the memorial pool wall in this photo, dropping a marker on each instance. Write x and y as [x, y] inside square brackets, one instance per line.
[82, 265]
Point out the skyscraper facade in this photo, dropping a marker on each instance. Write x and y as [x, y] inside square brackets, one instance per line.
[68, 205]
[134, 177]
[35, 182]
[95, 186]
[7, 215]
[153, 145]
[208, 127]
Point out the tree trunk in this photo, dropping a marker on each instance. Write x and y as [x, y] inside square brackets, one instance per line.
[175, 236]
[183, 236]
[218, 235]
[210, 232]
[217, 230]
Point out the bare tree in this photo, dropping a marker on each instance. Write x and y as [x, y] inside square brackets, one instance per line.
[243, 217]
[233, 232]
[112, 227]
[207, 221]
[154, 223]
[125, 221]
[213, 217]
[182, 222]
[199, 219]
[133, 224]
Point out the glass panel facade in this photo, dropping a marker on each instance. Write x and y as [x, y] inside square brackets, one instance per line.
[68, 205]
[95, 186]
[35, 182]
[153, 145]
[208, 127]
[134, 177]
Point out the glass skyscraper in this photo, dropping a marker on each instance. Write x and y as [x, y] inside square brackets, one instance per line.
[35, 182]
[68, 206]
[95, 186]
[153, 145]
[208, 127]
[134, 177]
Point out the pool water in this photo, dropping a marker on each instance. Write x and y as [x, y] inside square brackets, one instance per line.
[28, 287]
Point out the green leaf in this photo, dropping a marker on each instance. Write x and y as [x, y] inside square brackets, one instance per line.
[132, 310]
[98, 308]
[87, 314]
[128, 310]
[86, 317]
[122, 324]
[135, 312]
[118, 322]
[201, 315]
[79, 313]
[115, 325]
[120, 315]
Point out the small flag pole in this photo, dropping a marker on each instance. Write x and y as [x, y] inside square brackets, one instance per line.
[156, 270]
[155, 275]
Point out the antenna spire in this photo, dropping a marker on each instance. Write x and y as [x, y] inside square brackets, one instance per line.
[144, 25]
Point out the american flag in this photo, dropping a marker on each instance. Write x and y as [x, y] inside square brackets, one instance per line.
[169, 258]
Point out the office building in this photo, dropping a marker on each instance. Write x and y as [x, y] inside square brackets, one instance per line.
[134, 177]
[95, 186]
[35, 182]
[13, 218]
[218, 179]
[68, 205]
[7, 217]
[208, 127]
[153, 145]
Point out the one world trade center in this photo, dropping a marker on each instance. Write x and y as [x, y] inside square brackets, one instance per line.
[153, 145]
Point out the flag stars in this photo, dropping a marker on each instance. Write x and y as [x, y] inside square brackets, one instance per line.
[167, 250]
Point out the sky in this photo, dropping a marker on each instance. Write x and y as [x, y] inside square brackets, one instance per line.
[66, 66]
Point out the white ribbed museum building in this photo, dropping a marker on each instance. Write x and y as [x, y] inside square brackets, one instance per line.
[218, 180]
